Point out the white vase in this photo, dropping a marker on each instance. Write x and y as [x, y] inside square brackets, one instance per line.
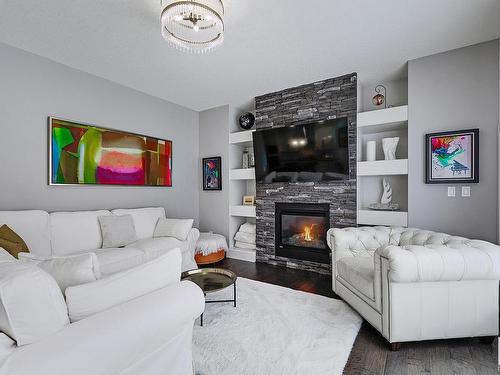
[371, 150]
[389, 146]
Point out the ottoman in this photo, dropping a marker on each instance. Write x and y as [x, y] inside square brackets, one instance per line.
[210, 248]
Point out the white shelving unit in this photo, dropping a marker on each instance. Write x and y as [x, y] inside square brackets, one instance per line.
[242, 174]
[241, 182]
[383, 167]
[242, 138]
[394, 218]
[242, 211]
[374, 126]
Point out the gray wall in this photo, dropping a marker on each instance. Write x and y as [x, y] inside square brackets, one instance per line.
[455, 90]
[32, 88]
[214, 140]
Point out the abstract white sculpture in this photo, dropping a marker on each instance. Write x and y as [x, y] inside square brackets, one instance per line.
[386, 199]
[389, 146]
[387, 194]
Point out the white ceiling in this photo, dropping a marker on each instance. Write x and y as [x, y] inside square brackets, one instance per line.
[269, 45]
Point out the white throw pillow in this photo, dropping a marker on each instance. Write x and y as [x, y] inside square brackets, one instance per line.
[67, 271]
[178, 228]
[32, 305]
[88, 299]
[117, 230]
[145, 219]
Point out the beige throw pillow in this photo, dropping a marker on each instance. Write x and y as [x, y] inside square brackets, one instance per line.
[11, 241]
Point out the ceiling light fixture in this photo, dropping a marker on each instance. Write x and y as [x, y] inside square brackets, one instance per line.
[195, 26]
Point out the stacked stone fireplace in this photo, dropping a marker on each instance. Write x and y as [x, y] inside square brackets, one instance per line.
[303, 207]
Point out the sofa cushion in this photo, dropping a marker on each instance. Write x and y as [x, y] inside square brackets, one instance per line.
[32, 305]
[5, 256]
[32, 226]
[117, 230]
[145, 219]
[73, 232]
[112, 260]
[89, 299]
[157, 245]
[359, 273]
[68, 270]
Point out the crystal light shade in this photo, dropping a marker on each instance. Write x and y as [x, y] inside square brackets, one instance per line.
[195, 26]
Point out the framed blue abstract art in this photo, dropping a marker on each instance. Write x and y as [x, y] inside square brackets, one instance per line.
[452, 157]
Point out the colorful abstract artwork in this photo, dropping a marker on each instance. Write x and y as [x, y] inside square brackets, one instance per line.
[452, 157]
[87, 154]
[212, 177]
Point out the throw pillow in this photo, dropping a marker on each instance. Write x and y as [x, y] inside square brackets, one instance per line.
[117, 231]
[88, 299]
[32, 304]
[178, 228]
[67, 271]
[11, 241]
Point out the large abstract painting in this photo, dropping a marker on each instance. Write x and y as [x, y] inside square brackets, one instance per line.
[452, 157]
[87, 154]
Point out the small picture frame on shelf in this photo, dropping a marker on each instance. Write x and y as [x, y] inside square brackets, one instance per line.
[212, 173]
[248, 200]
[452, 157]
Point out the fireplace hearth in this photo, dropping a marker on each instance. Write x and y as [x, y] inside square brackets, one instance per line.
[301, 231]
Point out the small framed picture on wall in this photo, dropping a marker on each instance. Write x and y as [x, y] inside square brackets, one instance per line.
[452, 157]
[212, 175]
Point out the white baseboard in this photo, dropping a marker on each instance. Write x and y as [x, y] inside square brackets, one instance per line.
[241, 254]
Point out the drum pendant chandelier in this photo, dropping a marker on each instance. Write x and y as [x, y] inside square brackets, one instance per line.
[195, 26]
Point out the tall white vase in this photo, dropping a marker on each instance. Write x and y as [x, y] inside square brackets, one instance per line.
[389, 146]
[371, 150]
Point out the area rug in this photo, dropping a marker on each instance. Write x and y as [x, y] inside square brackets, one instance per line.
[274, 330]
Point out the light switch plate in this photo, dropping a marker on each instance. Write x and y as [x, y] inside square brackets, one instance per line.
[465, 191]
[451, 191]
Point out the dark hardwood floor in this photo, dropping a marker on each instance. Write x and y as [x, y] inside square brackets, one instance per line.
[370, 354]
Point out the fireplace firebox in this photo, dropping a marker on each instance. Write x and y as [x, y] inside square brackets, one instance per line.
[301, 231]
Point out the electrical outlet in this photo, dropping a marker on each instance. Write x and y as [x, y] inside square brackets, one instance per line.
[451, 191]
[465, 191]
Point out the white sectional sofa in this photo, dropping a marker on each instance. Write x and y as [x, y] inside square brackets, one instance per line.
[67, 233]
[146, 334]
[414, 285]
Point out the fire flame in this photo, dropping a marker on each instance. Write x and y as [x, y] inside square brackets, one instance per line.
[308, 232]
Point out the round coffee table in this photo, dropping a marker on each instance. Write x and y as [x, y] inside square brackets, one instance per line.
[212, 280]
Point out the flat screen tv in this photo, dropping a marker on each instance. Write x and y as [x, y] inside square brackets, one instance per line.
[302, 153]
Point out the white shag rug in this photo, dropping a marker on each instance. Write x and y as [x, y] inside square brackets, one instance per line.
[274, 330]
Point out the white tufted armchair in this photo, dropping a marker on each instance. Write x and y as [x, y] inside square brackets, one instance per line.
[414, 285]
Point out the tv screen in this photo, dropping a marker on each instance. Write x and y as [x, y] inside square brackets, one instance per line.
[302, 153]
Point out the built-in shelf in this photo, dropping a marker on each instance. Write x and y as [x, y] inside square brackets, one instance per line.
[241, 254]
[382, 167]
[242, 211]
[383, 118]
[372, 217]
[242, 174]
[243, 138]
[374, 126]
